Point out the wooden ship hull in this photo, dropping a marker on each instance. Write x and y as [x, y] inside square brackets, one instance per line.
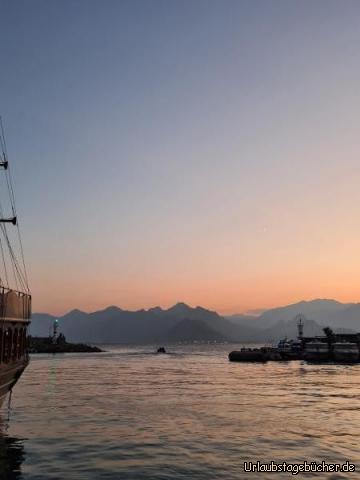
[14, 357]
[9, 376]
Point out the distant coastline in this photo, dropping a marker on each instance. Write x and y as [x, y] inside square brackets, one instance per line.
[183, 323]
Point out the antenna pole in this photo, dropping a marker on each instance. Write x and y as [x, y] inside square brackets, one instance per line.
[300, 326]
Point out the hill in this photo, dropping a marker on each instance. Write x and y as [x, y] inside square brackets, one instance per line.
[114, 325]
[179, 322]
[193, 330]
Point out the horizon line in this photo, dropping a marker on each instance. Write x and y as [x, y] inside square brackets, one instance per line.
[255, 312]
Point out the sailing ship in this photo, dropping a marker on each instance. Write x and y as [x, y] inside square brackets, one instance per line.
[15, 297]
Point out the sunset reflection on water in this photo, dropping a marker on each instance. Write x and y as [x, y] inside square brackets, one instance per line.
[132, 414]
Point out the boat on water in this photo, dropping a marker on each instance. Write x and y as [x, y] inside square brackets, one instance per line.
[15, 297]
[289, 349]
[330, 347]
[262, 354]
[248, 355]
[317, 351]
[345, 352]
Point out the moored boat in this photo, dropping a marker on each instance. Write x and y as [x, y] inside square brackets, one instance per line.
[248, 355]
[290, 349]
[15, 301]
[345, 352]
[316, 351]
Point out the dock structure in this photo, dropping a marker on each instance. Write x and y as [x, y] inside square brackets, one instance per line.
[330, 347]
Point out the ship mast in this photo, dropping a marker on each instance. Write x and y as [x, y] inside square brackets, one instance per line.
[17, 267]
[4, 164]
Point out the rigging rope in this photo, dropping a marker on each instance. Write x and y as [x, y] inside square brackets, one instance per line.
[4, 264]
[20, 274]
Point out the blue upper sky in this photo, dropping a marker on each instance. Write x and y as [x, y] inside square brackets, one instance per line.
[204, 151]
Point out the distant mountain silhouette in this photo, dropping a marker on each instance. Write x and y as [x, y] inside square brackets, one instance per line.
[319, 310]
[41, 324]
[184, 323]
[113, 325]
[193, 330]
[288, 329]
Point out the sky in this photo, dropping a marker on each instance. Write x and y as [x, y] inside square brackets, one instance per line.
[179, 150]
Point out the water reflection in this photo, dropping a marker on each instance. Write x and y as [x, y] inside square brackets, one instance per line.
[52, 375]
[12, 453]
[130, 414]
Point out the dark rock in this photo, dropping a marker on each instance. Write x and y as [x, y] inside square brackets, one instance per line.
[45, 345]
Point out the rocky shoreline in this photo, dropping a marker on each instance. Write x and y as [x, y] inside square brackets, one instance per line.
[45, 345]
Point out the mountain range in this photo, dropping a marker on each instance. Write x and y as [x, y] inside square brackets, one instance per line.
[182, 323]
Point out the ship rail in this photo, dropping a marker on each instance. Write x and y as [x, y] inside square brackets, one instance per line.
[14, 304]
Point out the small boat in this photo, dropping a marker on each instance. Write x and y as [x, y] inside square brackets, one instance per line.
[161, 350]
[249, 355]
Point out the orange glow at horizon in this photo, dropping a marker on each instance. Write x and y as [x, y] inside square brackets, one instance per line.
[226, 298]
[202, 152]
[309, 249]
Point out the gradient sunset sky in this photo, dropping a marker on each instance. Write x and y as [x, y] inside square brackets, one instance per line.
[197, 151]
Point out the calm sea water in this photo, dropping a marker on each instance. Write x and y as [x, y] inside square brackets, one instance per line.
[130, 414]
